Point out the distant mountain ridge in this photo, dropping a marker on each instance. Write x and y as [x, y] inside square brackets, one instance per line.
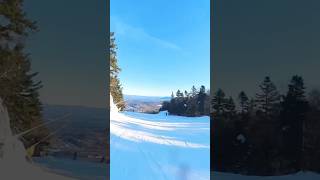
[146, 98]
[85, 130]
[146, 104]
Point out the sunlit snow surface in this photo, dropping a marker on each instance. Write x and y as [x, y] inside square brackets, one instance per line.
[156, 146]
[13, 164]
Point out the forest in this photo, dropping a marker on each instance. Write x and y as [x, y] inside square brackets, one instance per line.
[268, 134]
[193, 103]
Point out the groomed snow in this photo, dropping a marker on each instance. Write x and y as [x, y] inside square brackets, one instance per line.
[121, 123]
[297, 176]
[156, 146]
[27, 171]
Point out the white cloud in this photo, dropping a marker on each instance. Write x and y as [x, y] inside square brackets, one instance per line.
[122, 28]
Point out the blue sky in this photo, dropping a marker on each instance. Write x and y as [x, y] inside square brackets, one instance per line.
[69, 51]
[162, 45]
[254, 39]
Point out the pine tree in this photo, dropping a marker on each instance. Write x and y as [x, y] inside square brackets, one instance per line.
[179, 108]
[186, 94]
[269, 97]
[218, 102]
[165, 106]
[229, 107]
[14, 24]
[18, 89]
[115, 85]
[187, 104]
[194, 91]
[179, 94]
[172, 104]
[294, 110]
[201, 100]
[114, 68]
[244, 102]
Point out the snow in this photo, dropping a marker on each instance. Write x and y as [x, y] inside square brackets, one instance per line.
[78, 169]
[297, 176]
[27, 171]
[158, 146]
[13, 163]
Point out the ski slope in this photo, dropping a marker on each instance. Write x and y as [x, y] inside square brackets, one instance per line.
[158, 147]
[296, 176]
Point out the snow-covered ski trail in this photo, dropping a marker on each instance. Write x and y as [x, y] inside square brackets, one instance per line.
[160, 147]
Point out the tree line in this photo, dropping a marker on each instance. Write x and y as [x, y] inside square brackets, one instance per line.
[193, 103]
[269, 134]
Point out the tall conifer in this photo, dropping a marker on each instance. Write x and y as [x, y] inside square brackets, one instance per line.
[115, 85]
[18, 89]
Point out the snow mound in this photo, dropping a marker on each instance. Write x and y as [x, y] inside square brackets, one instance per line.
[13, 163]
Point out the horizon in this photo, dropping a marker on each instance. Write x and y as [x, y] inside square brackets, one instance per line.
[98, 107]
[143, 95]
[174, 92]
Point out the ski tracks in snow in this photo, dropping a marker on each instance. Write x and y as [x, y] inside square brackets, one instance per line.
[139, 130]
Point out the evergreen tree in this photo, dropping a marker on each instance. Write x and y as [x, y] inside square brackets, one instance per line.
[165, 106]
[15, 26]
[187, 104]
[295, 103]
[229, 107]
[186, 94]
[115, 85]
[244, 102]
[268, 98]
[178, 103]
[114, 68]
[194, 91]
[218, 102]
[294, 109]
[202, 96]
[179, 94]
[18, 89]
